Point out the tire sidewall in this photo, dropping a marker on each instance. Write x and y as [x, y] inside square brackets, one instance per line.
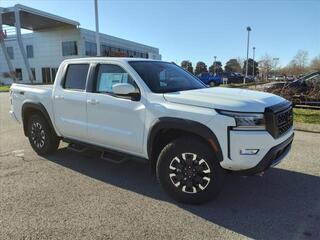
[189, 145]
[48, 142]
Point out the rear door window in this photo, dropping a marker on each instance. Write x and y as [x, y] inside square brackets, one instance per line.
[76, 76]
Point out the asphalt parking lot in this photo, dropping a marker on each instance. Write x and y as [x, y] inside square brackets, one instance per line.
[72, 196]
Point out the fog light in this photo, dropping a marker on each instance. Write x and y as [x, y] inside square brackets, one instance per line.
[248, 151]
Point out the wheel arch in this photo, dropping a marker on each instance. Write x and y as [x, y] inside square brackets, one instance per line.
[174, 127]
[30, 108]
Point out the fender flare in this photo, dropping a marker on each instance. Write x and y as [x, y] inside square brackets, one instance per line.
[38, 107]
[187, 126]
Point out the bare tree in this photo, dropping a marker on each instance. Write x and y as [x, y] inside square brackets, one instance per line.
[265, 66]
[315, 64]
[298, 65]
[301, 58]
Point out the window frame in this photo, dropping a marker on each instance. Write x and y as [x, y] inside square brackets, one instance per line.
[63, 82]
[30, 46]
[76, 48]
[95, 82]
[11, 54]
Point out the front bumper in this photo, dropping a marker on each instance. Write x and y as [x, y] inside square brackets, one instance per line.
[273, 157]
[260, 140]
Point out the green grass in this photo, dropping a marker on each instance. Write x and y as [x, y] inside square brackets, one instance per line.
[4, 88]
[306, 115]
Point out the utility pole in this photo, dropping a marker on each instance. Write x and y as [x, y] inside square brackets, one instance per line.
[214, 65]
[97, 27]
[248, 39]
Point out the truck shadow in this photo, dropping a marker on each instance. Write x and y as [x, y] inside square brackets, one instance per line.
[281, 205]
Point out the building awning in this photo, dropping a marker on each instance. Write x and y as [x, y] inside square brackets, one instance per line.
[33, 19]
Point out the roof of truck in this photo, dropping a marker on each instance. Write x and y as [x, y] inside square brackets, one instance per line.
[96, 59]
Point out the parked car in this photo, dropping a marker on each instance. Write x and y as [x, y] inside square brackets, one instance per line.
[210, 79]
[155, 111]
[237, 78]
[234, 77]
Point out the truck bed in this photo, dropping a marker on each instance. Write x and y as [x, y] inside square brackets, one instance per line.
[26, 92]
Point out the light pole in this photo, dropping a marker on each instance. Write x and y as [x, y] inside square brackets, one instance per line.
[248, 39]
[97, 27]
[254, 50]
[214, 65]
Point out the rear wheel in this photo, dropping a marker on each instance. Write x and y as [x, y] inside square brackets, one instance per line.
[41, 138]
[212, 84]
[188, 171]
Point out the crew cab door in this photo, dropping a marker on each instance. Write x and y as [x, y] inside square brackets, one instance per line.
[70, 102]
[115, 122]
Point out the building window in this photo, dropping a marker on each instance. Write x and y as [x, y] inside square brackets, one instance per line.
[33, 70]
[91, 49]
[69, 48]
[29, 51]
[105, 51]
[10, 52]
[54, 73]
[46, 76]
[76, 76]
[19, 74]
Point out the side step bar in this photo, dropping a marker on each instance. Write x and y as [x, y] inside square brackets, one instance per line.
[77, 147]
[113, 157]
[106, 154]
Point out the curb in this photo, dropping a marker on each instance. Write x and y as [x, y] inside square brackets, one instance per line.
[305, 127]
[306, 130]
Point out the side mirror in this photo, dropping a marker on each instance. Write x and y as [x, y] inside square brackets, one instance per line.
[126, 89]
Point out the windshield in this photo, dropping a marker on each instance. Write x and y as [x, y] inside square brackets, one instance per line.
[163, 77]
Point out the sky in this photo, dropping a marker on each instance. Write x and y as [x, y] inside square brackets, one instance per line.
[199, 30]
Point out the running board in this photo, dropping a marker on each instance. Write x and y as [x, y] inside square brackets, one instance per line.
[113, 157]
[106, 154]
[77, 147]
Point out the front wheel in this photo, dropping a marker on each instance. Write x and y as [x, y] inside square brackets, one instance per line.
[189, 171]
[41, 138]
[212, 84]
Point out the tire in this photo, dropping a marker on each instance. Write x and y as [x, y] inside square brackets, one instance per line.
[42, 139]
[212, 84]
[193, 181]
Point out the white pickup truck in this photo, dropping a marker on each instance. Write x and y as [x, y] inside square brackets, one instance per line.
[129, 108]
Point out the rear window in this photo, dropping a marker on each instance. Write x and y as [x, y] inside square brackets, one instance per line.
[76, 76]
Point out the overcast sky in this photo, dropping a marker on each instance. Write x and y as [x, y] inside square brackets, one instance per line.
[200, 30]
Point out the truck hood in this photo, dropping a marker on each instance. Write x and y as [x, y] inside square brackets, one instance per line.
[231, 99]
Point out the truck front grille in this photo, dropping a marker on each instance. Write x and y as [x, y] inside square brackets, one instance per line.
[279, 119]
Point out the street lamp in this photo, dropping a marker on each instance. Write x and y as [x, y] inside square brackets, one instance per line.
[254, 50]
[248, 29]
[275, 62]
[97, 27]
[214, 65]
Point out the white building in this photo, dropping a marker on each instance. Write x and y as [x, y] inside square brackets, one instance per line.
[54, 39]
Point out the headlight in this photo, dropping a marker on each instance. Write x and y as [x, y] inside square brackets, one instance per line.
[247, 121]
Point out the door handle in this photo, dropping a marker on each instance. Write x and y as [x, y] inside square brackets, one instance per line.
[93, 101]
[58, 97]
